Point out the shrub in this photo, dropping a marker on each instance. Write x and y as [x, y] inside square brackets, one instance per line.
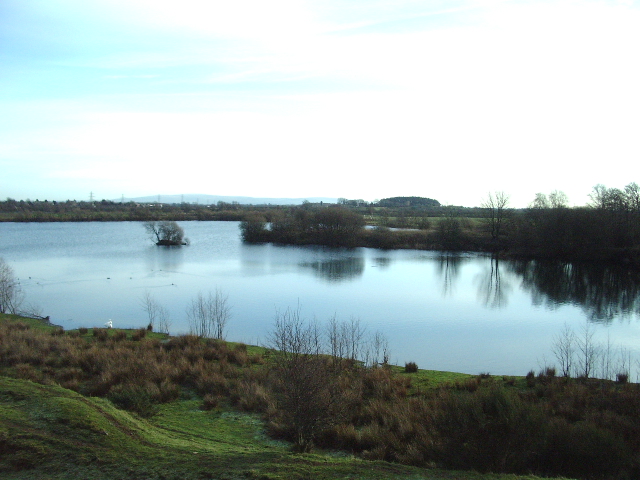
[256, 359]
[531, 379]
[66, 374]
[209, 402]
[583, 450]
[411, 367]
[183, 342]
[212, 383]
[137, 397]
[83, 330]
[622, 377]
[19, 326]
[470, 384]
[100, 334]
[169, 391]
[28, 372]
[238, 357]
[119, 336]
[139, 334]
[252, 396]
[490, 430]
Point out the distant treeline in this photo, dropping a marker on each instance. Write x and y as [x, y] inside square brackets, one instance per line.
[408, 202]
[608, 229]
[106, 210]
[398, 210]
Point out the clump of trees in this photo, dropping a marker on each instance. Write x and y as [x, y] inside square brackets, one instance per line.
[166, 233]
[332, 226]
[408, 202]
[606, 229]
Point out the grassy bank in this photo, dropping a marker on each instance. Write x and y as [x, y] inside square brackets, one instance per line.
[147, 406]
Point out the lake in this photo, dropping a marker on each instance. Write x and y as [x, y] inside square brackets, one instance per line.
[467, 313]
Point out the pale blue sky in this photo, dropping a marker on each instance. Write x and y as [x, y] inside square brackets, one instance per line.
[302, 98]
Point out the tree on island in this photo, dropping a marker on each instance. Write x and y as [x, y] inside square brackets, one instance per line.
[167, 233]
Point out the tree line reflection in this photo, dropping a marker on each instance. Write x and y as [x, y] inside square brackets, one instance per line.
[603, 291]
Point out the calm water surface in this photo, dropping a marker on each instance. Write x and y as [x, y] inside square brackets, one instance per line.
[464, 313]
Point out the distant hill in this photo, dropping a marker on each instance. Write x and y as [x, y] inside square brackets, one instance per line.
[214, 199]
[408, 202]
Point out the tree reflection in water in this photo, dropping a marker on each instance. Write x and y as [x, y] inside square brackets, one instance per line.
[603, 291]
[493, 289]
[449, 271]
[337, 269]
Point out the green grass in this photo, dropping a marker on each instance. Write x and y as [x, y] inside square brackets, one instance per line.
[35, 323]
[427, 379]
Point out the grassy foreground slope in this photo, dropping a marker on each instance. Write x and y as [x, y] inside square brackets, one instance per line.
[50, 432]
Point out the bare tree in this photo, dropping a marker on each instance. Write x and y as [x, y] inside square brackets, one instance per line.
[378, 351]
[150, 306]
[11, 296]
[606, 359]
[208, 315]
[337, 342]
[156, 313]
[164, 320]
[355, 333]
[587, 350]
[346, 339]
[304, 385]
[563, 348]
[496, 206]
[623, 368]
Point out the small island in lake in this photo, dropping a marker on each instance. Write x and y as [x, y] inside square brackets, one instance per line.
[166, 233]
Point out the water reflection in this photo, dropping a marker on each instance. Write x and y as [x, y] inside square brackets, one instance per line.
[604, 292]
[448, 269]
[336, 269]
[493, 287]
[164, 258]
[382, 262]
